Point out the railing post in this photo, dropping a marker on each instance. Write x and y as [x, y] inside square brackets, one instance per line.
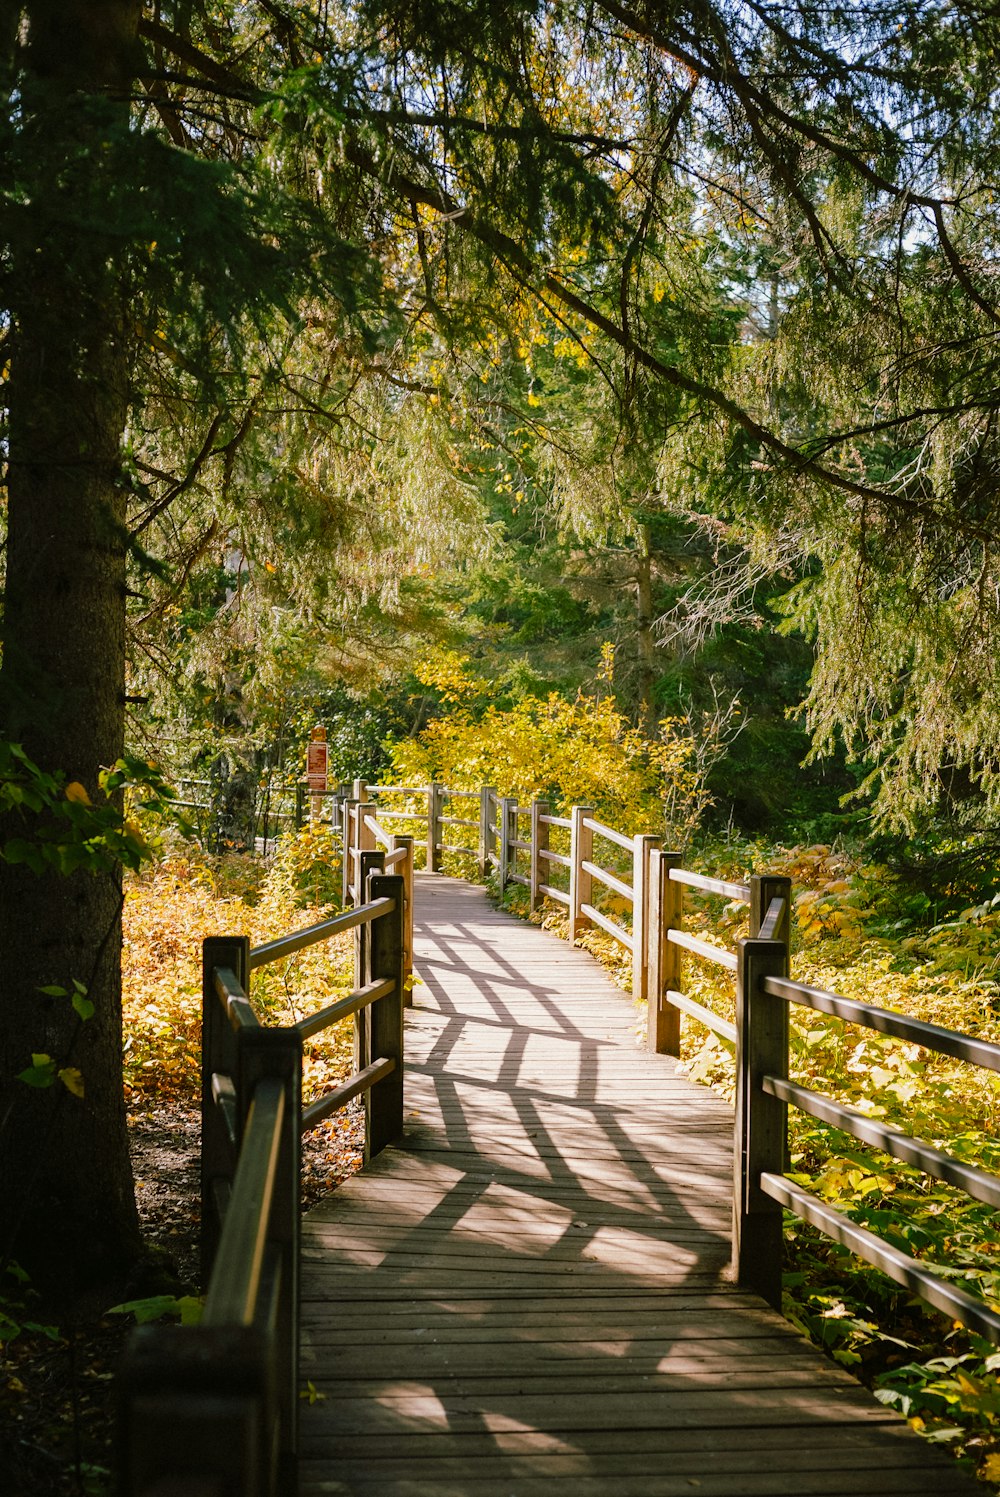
[405, 869]
[507, 807]
[384, 1101]
[300, 807]
[433, 826]
[349, 813]
[218, 1058]
[370, 860]
[366, 837]
[642, 847]
[487, 830]
[539, 845]
[581, 850]
[666, 912]
[191, 1401]
[763, 888]
[760, 1127]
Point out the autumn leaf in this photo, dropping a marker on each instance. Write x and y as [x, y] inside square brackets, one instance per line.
[77, 793]
[72, 1080]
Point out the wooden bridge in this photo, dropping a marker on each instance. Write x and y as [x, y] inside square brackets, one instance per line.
[529, 1293]
[563, 1260]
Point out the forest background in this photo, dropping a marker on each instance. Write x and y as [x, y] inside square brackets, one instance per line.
[438, 372]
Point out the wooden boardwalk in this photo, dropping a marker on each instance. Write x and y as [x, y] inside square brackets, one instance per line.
[529, 1294]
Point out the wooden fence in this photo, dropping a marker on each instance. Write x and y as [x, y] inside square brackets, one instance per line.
[514, 842]
[214, 1408]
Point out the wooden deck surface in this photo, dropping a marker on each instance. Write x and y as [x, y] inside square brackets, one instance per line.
[529, 1294]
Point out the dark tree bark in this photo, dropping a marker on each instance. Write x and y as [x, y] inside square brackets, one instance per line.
[645, 641]
[69, 1208]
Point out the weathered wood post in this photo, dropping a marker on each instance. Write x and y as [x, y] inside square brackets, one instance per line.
[370, 860]
[539, 846]
[405, 870]
[384, 1101]
[487, 830]
[434, 827]
[196, 1412]
[642, 846]
[350, 834]
[221, 1109]
[760, 1126]
[666, 912]
[507, 812]
[581, 883]
[765, 887]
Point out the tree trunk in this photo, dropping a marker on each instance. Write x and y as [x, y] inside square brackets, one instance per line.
[646, 644]
[69, 1205]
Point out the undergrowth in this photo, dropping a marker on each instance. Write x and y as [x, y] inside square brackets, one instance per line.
[171, 906]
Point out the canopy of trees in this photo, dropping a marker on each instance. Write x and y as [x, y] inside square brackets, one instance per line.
[695, 298]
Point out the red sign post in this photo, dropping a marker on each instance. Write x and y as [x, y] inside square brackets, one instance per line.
[316, 768]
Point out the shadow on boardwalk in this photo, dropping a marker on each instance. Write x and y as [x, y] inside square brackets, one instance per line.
[529, 1294]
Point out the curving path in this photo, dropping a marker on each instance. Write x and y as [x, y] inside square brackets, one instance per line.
[529, 1294]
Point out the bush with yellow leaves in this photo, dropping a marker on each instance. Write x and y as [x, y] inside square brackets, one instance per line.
[578, 752]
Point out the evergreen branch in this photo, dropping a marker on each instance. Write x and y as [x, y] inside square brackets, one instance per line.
[494, 130]
[726, 74]
[215, 72]
[182, 485]
[193, 554]
[518, 260]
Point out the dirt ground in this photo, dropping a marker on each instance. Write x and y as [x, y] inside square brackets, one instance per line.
[58, 1390]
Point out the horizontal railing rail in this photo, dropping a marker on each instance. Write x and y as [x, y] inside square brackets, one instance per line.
[768, 1093]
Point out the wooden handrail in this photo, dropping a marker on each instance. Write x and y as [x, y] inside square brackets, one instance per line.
[310, 935]
[721, 886]
[235, 1285]
[608, 833]
[956, 1303]
[252, 1119]
[886, 1021]
[719, 956]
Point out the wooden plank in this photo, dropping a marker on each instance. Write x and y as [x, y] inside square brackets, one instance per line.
[532, 1288]
[836, 1442]
[818, 1484]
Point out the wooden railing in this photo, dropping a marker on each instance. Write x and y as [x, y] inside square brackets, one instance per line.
[653, 882]
[764, 1093]
[214, 1409]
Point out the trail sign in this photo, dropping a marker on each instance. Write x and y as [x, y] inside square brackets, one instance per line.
[317, 760]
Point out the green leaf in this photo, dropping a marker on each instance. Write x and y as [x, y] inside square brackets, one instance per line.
[17, 850]
[53, 990]
[83, 1006]
[187, 1309]
[41, 1072]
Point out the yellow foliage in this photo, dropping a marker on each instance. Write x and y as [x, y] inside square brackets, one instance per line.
[581, 752]
[170, 908]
